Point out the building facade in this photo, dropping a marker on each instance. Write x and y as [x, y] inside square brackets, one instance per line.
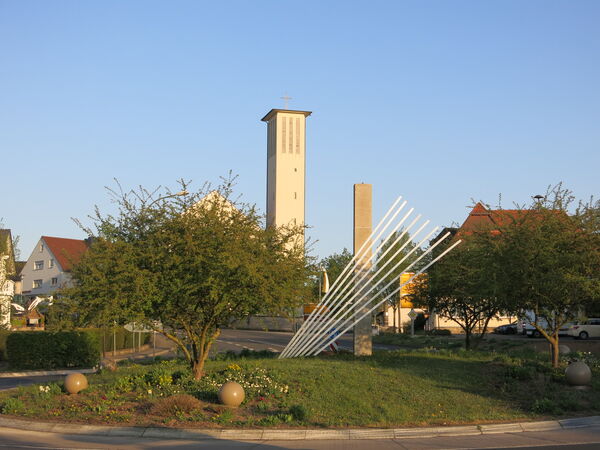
[286, 165]
[48, 267]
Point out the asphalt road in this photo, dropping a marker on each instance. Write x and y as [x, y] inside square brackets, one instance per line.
[580, 439]
[274, 341]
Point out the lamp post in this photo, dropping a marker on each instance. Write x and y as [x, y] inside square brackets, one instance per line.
[177, 194]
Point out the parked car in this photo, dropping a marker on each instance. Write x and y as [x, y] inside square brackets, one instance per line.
[531, 331]
[509, 328]
[587, 329]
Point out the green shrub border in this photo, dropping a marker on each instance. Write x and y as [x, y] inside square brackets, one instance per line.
[52, 350]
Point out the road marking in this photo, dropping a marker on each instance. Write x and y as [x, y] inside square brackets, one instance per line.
[266, 343]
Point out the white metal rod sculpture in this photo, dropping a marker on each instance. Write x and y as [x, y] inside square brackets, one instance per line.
[341, 280]
[342, 294]
[342, 307]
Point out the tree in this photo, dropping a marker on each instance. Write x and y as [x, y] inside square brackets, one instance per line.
[397, 247]
[191, 263]
[333, 264]
[464, 288]
[7, 274]
[549, 262]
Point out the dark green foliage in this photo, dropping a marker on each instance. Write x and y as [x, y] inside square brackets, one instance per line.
[3, 335]
[299, 413]
[440, 332]
[46, 350]
[192, 262]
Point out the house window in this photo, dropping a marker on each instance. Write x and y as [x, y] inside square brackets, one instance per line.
[54, 281]
[50, 263]
[37, 284]
[41, 248]
[38, 265]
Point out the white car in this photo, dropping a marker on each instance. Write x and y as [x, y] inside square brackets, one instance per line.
[584, 330]
[531, 331]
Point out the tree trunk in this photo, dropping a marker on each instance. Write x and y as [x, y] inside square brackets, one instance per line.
[467, 338]
[395, 310]
[198, 367]
[554, 349]
[201, 354]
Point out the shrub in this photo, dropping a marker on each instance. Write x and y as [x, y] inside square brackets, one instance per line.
[3, 336]
[46, 350]
[11, 406]
[176, 404]
[546, 406]
[440, 332]
[299, 412]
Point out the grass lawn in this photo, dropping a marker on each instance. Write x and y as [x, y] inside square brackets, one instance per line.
[390, 389]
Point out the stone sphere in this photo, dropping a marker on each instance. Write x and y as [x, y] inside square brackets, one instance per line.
[231, 394]
[563, 349]
[75, 383]
[578, 374]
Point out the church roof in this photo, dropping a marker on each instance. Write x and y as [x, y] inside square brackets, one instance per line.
[290, 111]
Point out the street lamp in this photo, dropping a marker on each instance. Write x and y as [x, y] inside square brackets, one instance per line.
[181, 193]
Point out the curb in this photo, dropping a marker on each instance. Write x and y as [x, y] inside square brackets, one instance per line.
[196, 434]
[39, 373]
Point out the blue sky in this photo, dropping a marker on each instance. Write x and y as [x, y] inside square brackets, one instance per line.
[439, 101]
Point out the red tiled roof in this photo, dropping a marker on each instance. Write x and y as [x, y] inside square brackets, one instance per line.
[481, 218]
[65, 251]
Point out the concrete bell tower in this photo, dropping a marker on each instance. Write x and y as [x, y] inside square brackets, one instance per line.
[286, 163]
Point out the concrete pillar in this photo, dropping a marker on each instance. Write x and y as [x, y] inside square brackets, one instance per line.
[363, 193]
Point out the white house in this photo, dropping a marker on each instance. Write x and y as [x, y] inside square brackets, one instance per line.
[49, 265]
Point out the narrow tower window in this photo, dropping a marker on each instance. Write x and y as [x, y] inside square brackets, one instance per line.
[291, 136]
[283, 135]
[298, 134]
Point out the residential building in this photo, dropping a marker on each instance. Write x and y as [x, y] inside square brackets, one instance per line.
[480, 218]
[49, 265]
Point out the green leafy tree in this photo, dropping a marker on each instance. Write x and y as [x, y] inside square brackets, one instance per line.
[463, 286]
[549, 262]
[191, 263]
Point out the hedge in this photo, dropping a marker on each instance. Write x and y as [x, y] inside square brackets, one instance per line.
[3, 335]
[52, 350]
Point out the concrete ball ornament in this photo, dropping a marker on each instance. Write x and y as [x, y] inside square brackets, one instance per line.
[75, 383]
[231, 394]
[563, 349]
[578, 374]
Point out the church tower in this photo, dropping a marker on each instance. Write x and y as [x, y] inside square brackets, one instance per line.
[286, 162]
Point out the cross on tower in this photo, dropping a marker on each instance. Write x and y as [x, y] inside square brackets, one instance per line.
[285, 99]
